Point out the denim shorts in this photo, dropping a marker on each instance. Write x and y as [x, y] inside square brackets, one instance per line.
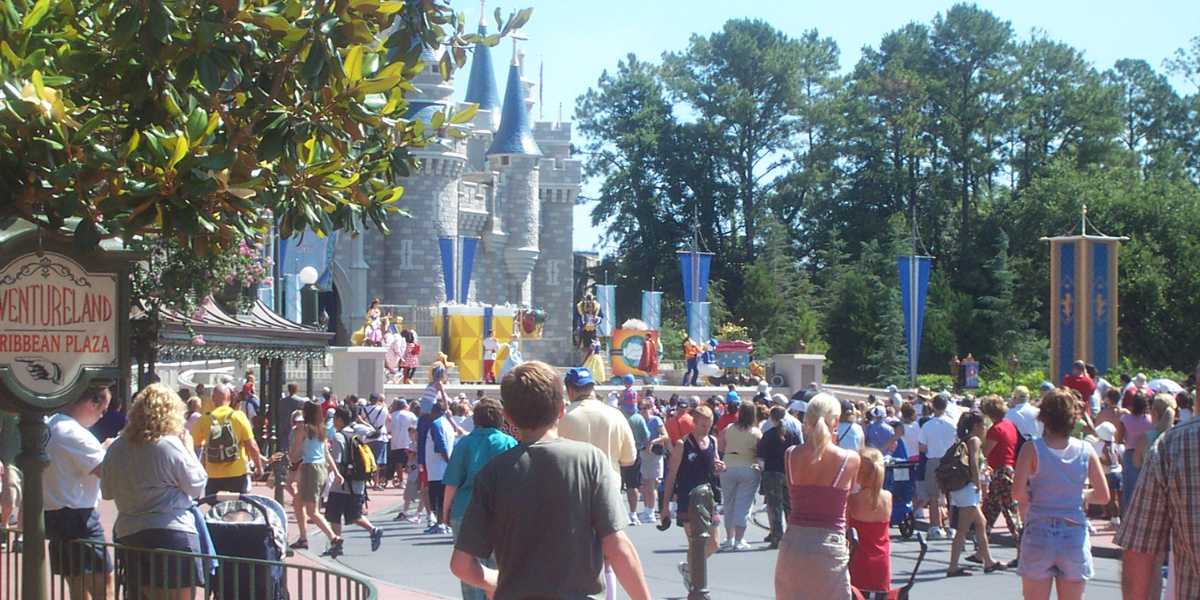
[1055, 548]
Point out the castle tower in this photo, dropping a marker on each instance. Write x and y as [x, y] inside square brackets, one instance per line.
[559, 181]
[515, 155]
[410, 265]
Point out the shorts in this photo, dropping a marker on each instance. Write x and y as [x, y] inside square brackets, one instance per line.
[631, 476]
[380, 449]
[10, 490]
[312, 481]
[398, 458]
[157, 570]
[67, 525]
[1055, 548]
[652, 466]
[966, 496]
[1114, 481]
[412, 486]
[239, 484]
[929, 489]
[345, 508]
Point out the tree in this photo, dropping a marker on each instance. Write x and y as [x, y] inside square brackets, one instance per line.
[742, 82]
[179, 126]
[1149, 110]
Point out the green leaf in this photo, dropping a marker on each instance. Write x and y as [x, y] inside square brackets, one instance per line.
[196, 124]
[275, 23]
[389, 7]
[88, 127]
[352, 63]
[378, 84]
[49, 142]
[34, 16]
[315, 61]
[10, 55]
[210, 75]
[465, 115]
[133, 143]
[180, 151]
[271, 146]
[127, 25]
[218, 161]
[439, 119]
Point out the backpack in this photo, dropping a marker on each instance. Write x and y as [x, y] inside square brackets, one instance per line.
[954, 473]
[358, 461]
[222, 446]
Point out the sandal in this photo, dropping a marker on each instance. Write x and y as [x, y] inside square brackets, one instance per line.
[996, 566]
[300, 544]
[959, 572]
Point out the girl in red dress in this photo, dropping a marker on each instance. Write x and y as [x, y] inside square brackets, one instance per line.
[869, 512]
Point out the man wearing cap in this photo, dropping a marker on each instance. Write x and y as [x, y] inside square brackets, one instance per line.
[850, 434]
[790, 422]
[591, 421]
[1079, 381]
[679, 423]
[879, 432]
[1139, 385]
[732, 402]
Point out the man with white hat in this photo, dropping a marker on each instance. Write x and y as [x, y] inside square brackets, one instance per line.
[790, 422]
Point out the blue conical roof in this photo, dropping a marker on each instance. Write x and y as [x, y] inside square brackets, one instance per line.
[514, 136]
[481, 86]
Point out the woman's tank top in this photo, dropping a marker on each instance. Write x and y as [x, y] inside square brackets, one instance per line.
[821, 506]
[697, 466]
[741, 445]
[1056, 489]
[312, 450]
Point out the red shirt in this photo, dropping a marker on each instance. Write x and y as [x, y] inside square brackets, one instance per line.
[727, 419]
[1082, 384]
[1127, 398]
[679, 426]
[1004, 453]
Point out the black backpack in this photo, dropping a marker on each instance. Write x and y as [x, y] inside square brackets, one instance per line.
[954, 472]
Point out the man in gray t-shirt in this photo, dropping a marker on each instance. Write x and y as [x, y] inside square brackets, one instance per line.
[550, 509]
[346, 499]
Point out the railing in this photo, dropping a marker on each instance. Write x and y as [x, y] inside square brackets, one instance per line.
[140, 573]
[416, 318]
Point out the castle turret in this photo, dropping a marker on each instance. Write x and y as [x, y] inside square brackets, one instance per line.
[515, 155]
[559, 181]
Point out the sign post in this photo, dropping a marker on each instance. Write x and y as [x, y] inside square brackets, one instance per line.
[64, 327]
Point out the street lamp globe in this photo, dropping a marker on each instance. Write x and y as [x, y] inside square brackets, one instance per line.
[307, 276]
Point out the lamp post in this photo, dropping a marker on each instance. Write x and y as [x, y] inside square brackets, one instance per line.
[955, 363]
[308, 315]
[1014, 365]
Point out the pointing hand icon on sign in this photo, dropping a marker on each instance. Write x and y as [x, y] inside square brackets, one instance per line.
[41, 369]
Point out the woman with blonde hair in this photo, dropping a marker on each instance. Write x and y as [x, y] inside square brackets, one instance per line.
[869, 512]
[152, 475]
[813, 555]
[1162, 414]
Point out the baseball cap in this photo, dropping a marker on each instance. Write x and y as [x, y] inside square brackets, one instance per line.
[628, 379]
[779, 399]
[798, 406]
[877, 412]
[732, 397]
[579, 377]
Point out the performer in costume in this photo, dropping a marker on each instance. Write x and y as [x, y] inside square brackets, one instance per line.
[587, 318]
[374, 325]
[594, 361]
[514, 359]
[412, 355]
[691, 353]
[396, 347]
[490, 347]
[649, 361]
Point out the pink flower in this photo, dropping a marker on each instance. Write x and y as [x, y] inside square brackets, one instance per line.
[228, 279]
[198, 340]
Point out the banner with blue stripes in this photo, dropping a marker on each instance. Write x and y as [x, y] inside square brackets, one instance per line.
[606, 296]
[652, 309]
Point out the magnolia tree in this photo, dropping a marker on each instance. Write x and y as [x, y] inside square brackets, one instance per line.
[183, 126]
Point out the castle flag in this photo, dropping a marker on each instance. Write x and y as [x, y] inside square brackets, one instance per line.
[914, 284]
[446, 249]
[1083, 302]
[652, 309]
[694, 268]
[699, 324]
[606, 296]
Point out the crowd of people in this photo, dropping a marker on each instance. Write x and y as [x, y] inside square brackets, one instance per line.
[484, 470]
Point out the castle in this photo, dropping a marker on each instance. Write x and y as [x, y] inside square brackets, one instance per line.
[490, 215]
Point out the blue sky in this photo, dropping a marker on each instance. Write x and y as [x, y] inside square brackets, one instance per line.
[576, 40]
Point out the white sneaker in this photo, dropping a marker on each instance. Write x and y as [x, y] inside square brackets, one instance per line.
[742, 546]
[935, 533]
[647, 517]
[725, 546]
[686, 573]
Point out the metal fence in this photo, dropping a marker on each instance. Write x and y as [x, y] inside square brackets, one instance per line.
[416, 318]
[152, 574]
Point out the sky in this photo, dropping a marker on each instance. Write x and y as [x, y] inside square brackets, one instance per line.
[574, 41]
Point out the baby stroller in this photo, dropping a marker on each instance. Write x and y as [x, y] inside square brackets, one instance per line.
[900, 481]
[251, 527]
[900, 593]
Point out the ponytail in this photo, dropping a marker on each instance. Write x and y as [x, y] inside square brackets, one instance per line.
[821, 407]
[819, 435]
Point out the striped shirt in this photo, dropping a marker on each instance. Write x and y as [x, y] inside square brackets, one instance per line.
[1166, 506]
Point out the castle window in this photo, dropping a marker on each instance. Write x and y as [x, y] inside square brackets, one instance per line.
[504, 161]
[406, 256]
[552, 273]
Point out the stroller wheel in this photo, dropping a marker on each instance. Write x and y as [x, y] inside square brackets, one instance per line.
[906, 526]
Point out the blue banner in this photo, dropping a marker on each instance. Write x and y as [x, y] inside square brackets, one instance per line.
[1065, 309]
[468, 262]
[487, 322]
[914, 285]
[699, 327]
[1103, 300]
[606, 297]
[652, 309]
[446, 246]
[694, 268]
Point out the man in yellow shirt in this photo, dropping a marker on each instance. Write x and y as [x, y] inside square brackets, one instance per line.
[226, 439]
[594, 422]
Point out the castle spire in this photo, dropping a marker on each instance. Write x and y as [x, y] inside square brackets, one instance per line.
[481, 83]
[514, 135]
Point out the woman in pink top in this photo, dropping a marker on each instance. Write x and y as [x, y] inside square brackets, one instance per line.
[813, 555]
[1130, 429]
